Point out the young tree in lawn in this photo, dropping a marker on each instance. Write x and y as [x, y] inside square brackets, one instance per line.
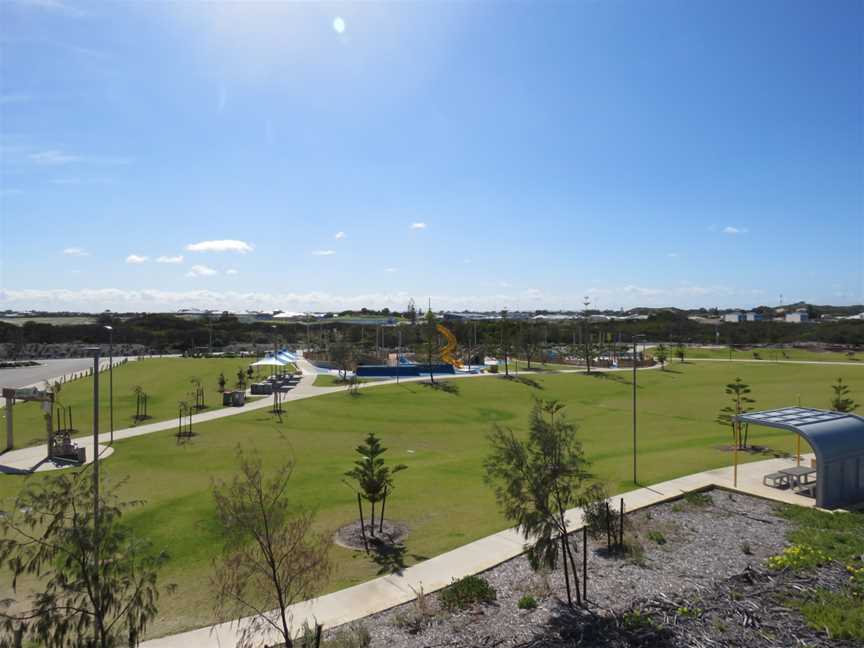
[841, 401]
[529, 344]
[505, 343]
[342, 353]
[536, 481]
[222, 382]
[241, 378]
[431, 338]
[680, 351]
[96, 583]
[741, 403]
[249, 373]
[662, 355]
[272, 557]
[371, 477]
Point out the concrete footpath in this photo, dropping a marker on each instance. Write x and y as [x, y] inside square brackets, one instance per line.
[386, 592]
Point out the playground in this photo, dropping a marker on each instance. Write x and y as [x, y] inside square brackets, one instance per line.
[441, 437]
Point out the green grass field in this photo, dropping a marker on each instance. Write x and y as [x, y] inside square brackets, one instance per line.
[765, 354]
[166, 381]
[328, 380]
[441, 437]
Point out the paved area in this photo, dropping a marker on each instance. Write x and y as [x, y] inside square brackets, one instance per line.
[30, 460]
[385, 592]
[49, 370]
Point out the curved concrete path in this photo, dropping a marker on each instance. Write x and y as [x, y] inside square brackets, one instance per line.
[386, 592]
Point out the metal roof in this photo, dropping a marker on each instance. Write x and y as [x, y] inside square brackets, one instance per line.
[832, 435]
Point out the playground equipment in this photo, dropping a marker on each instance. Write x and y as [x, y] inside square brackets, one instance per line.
[448, 350]
[60, 445]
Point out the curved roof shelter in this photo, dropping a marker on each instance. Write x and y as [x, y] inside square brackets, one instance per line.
[837, 439]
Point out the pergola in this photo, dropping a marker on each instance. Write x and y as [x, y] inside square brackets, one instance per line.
[837, 439]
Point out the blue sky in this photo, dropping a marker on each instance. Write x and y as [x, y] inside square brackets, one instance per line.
[330, 155]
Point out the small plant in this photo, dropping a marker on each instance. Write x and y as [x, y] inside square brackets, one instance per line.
[527, 602]
[699, 500]
[467, 591]
[798, 556]
[353, 636]
[636, 620]
[657, 536]
[677, 508]
[415, 619]
[746, 549]
[856, 580]
[689, 613]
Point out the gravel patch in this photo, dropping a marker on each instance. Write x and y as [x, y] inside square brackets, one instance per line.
[685, 547]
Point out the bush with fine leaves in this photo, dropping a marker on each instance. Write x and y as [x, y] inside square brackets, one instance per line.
[465, 592]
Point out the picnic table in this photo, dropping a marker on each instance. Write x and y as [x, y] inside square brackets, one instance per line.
[799, 477]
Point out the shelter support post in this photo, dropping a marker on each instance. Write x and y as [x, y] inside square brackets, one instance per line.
[9, 426]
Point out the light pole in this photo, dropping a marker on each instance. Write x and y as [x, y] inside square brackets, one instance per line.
[110, 330]
[96, 467]
[636, 339]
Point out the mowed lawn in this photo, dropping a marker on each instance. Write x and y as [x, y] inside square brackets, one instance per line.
[765, 354]
[165, 380]
[441, 437]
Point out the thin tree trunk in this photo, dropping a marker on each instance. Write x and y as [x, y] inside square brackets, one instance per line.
[575, 573]
[585, 563]
[372, 526]
[362, 522]
[381, 516]
[566, 575]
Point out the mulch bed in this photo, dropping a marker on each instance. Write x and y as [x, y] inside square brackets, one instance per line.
[693, 557]
[390, 533]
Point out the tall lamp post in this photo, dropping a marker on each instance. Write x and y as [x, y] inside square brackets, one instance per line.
[110, 330]
[636, 339]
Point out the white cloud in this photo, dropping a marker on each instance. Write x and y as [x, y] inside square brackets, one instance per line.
[75, 251]
[672, 255]
[418, 226]
[54, 157]
[156, 300]
[169, 259]
[136, 258]
[201, 271]
[232, 271]
[226, 245]
[391, 270]
[57, 157]
[734, 230]
[13, 98]
[340, 235]
[323, 252]
[51, 5]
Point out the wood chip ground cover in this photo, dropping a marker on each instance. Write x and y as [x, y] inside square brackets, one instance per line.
[705, 584]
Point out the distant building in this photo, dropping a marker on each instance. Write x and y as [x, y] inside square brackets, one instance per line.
[735, 317]
[752, 316]
[798, 316]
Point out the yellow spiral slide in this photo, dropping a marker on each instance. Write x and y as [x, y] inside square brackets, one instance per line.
[448, 351]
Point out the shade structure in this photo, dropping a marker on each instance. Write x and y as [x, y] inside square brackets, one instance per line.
[269, 361]
[837, 439]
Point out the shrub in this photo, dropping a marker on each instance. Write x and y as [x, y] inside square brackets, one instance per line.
[657, 536]
[527, 602]
[798, 556]
[354, 636]
[465, 592]
[835, 613]
[699, 500]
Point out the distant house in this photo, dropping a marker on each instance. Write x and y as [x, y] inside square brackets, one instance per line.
[753, 316]
[735, 317]
[798, 316]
